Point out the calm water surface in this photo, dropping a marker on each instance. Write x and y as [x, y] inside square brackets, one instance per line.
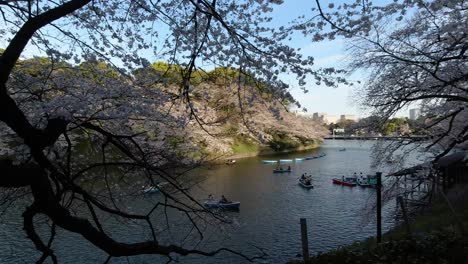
[271, 206]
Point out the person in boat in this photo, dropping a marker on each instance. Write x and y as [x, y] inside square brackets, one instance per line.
[342, 178]
[307, 182]
[289, 168]
[280, 168]
[210, 197]
[223, 199]
[303, 177]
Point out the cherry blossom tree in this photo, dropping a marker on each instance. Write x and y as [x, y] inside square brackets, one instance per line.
[411, 54]
[79, 116]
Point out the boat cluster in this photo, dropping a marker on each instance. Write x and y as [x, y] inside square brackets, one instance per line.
[361, 180]
[285, 161]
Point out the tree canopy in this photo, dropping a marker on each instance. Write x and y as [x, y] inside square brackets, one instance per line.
[81, 115]
[412, 54]
[85, 92]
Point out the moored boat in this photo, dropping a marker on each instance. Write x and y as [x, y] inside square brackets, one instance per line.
[342, 149]
[285, 160]
[269, 161]
[299, 159]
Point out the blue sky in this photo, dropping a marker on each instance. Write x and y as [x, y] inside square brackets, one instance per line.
[335, 101]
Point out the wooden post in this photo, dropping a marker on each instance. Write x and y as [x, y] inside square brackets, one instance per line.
[305, 242]
[405, 216]
[379, 206]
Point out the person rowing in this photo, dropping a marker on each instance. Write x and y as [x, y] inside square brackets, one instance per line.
[223, 199]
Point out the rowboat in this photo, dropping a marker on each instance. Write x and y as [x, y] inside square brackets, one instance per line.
[345, 182]
[231, 162]
[372, 180]
[281, 171]
[316, 156]
[305, 184]
[217, 204]
[299, 159]
[363, 182]
[151, 189]
[343, 149]
[269, 161]
[285, 160]
[154, 189]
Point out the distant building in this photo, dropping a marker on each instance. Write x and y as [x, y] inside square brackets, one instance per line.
[324, 117]
[316, 116]
[414, 113]
[346, 116]
[319, 116]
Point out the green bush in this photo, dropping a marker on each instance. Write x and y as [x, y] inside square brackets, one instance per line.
[281, 141]
[436, 247]
[243, 144]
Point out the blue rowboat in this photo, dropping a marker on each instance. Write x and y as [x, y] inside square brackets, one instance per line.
[269, 161]
[155, 189]
[228, 205]
[281, 171]
[315, 157]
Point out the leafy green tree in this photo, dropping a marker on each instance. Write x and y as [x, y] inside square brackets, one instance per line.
[98, 71]
[169, 73]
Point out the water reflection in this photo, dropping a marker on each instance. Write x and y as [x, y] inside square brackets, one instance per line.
[270, 209]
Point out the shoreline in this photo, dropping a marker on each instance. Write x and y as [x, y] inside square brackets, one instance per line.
[265, 151]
